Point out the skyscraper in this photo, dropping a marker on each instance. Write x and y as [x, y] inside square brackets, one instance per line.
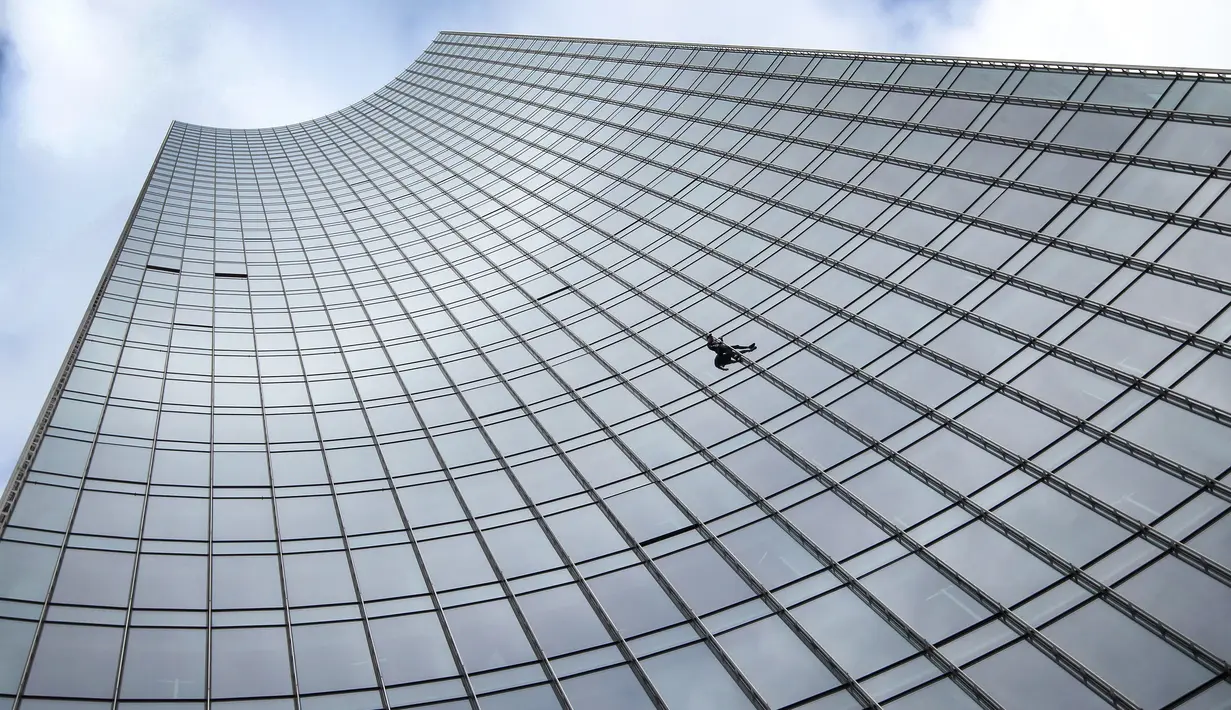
[408, 405]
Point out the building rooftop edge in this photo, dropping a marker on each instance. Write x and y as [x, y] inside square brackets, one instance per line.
[1127, 69]
[1224, 74]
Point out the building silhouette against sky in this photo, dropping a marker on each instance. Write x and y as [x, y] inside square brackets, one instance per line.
[408, 405]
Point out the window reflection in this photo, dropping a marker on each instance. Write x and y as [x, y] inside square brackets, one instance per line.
[93, 652]
[691, 678]
[488, 636]
[312, 449]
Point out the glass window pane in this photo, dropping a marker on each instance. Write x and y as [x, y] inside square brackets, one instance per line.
[411, 648]
[1180, 596]
[770, 554]
[764, 469]
[925, 600]
[539, 697]
[489, 493]
[707, 493]
[943, 695]
[171, 581]
[318, 578]
[691, 677]
[994, 563]
[15, 639]
[585, 533]
[834, 526]
[456, 561]
[1022, 678]
[93, 652]
[249, 663]
[521, 549]
[164, 664]
[332, 657]
[705, 581]
[858, 639]
[647, 512]
[246, 581]
[102, 513]
[488, 636]
[611, 689]
[1062, 524]
[373, 511]
[430, 504]
[634, 601]
[168, 518]
[307, 517]
[1138, 663]
[243, 519]
[562, 620]
[780, 666]
[385, 572]
[94, 577]
[44, 507]
[28, 569]
[1184, 437]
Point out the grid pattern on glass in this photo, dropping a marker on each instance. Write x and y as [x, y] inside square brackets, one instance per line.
[406, 405]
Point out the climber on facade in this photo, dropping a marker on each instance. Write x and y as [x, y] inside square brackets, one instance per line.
[726, 354]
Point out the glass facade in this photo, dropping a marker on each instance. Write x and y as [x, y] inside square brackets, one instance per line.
[407, 406]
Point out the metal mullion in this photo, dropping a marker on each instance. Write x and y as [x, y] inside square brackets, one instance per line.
[1132, 525]
[648, 190]
[986, 272]
[533, 642]
[1025, 235]
[1158, 628]
[286, 602]
[779, 610]
[691, 617]
[145, 504]
[552, 538]
[1109, 205]
[397, 502]
[1079, 575]
[1089, 364]
[754, 585]
[1117, 441]
[1025, 143]
[608, 625]
[1154, 462]
[8, 498]
[869, 599]
[380, 685]
[1183, 700]
[209, 534]
[1059, 103]
[1017, 536]
[1114, 69]
[38, 434]
[1173, 468]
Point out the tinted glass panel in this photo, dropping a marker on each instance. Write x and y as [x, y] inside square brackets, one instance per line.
[420, 388]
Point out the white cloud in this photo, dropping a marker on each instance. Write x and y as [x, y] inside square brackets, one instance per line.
[89, 92]
[1189, 33]
[831, 24]
[93, 85]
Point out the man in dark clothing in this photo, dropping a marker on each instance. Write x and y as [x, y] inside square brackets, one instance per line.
[726, 354]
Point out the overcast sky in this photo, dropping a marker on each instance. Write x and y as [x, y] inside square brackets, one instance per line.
[88, 87]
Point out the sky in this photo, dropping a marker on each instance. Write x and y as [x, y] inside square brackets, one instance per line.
[89, 87]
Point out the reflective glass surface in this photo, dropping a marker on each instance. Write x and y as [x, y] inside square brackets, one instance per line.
[409, 405]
